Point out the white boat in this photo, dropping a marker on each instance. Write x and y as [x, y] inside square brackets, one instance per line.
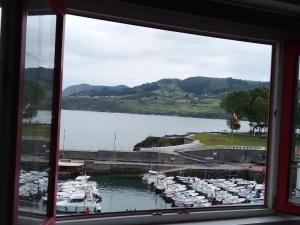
[82, 178]
[151, 177]
[78, 203]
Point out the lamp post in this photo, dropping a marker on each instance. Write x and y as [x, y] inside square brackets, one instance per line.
[115, 138]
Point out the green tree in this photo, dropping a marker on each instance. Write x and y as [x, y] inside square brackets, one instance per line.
[252, 104]
[34, 93]
[29, 112]
[257, 108]
[235, 102]
[233, 123]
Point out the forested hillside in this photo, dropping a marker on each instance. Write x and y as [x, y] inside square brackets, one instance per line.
[194, 96]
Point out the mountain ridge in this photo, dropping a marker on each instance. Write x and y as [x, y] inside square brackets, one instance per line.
[195, 84]
[196, 96]
[191, 97]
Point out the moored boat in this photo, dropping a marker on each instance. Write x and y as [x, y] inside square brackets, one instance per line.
[78, 203]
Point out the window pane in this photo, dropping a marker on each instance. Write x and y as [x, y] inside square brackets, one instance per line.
[294, 194]
[37, 112]
[159, 119]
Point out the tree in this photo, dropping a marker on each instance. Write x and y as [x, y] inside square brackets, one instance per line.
[235, 102]
[233, 123]
[34, 93]
[29, 112]
[257, 108]
[252, 104]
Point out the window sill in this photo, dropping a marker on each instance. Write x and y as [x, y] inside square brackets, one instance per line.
[267, 220]
[232, 217]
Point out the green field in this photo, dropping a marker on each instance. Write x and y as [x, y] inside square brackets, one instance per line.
[240, 139]
[36, 130]
[164, 104]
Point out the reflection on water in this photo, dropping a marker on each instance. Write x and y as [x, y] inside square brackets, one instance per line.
[121, 193]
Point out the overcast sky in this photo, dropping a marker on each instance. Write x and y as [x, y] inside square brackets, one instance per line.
[107, 53]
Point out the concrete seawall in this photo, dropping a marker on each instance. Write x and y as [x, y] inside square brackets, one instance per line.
[152, 155]
[230, 155]
[35, 153]
[37, 146]
[126, 156]
[139, 162]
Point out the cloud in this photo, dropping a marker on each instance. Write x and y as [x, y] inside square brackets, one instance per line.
[107, 53]
[40, 41]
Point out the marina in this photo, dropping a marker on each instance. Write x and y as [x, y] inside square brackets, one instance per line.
[99, 194]
[195, 192]
[78, 196]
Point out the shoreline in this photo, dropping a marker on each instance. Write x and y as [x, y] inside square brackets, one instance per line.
[149, 114]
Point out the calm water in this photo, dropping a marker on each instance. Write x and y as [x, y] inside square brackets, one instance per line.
[86, 130]
[121, 193]
[96, 130]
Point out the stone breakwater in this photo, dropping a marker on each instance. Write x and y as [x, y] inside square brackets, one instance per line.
[127, 156]
[137, 162]
[140, 162]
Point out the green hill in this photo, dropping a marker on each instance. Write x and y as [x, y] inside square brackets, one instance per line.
[192, 97]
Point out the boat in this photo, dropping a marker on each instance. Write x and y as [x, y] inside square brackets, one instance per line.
[78, 203]
[33, 184]
[151, 177]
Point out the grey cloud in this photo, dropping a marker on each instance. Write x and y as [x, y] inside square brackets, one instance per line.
[40, 41]
[107, 53]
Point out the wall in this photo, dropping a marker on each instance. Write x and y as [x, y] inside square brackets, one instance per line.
[231, 155]
[126, 156]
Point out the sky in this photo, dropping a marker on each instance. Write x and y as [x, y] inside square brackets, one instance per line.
[99, 52]
[40, 41]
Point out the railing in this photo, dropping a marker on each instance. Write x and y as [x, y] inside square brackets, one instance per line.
[231, 147]
[171, 149]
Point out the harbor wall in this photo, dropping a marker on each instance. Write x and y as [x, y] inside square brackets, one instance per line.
[99, 167]
[231, 155]
[126, 156]
[35, 146]
[220, 155]
[35, 154]
[41, 147]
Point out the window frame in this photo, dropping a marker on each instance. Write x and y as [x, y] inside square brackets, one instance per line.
[199, 213]
[290, 80]
[176, 214]
[59, 10]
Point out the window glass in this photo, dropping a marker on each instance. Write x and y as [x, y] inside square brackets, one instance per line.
[294, 193]
[155, 119]
[37, 112]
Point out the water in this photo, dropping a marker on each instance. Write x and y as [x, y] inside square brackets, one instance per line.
[121, 193]
[97, 130]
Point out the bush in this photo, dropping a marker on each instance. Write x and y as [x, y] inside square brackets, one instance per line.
[153, 141]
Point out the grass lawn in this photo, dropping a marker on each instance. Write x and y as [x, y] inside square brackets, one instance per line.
[36, 130]
[241, 139]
